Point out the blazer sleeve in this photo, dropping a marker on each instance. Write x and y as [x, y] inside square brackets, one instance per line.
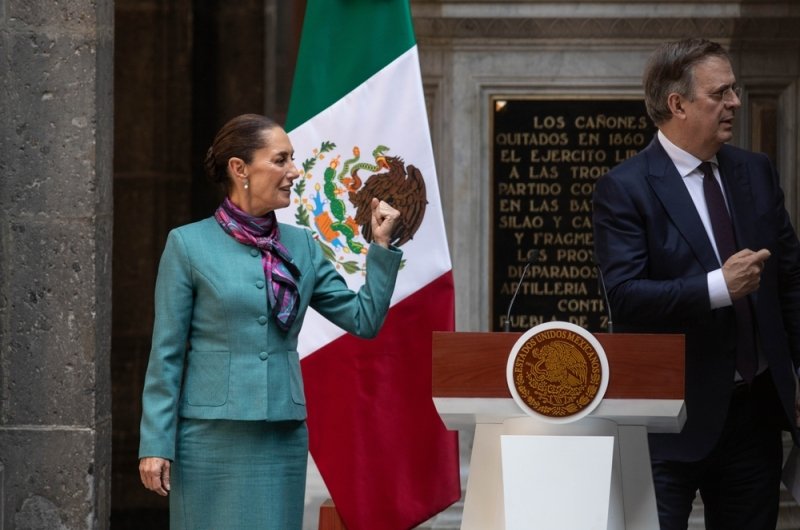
[361, 313]
[173, 313]
[649, 278]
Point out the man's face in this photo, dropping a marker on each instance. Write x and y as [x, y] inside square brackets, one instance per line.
[710, 110]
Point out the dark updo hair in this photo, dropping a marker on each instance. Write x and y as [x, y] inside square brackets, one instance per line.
[239, 138]
[670, 69]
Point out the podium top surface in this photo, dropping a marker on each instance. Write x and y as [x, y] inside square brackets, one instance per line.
[641, 366]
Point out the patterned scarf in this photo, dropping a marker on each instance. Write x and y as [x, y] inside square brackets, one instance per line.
[279, 269]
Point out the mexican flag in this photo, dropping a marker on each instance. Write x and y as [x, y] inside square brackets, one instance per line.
[358, 124]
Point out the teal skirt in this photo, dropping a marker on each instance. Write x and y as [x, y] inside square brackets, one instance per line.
[238, 475]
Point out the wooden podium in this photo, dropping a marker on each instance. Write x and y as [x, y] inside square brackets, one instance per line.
[645, 394]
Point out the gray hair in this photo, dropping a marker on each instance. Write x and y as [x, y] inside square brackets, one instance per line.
[670, 69]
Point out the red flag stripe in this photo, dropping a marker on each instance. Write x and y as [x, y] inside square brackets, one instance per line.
[370, 414]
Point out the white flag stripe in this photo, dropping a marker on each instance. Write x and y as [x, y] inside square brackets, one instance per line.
[388, 109]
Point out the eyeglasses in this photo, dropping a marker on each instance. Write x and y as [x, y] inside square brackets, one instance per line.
[727, 93]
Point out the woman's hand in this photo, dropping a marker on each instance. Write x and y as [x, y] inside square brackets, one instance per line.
[383, 219]
[154, 472]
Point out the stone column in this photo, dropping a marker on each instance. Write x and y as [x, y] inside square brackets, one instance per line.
[56, 130]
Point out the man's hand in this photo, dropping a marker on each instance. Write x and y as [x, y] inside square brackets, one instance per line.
[742, 272]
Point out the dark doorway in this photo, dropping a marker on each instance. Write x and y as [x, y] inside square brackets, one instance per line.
[182, 68]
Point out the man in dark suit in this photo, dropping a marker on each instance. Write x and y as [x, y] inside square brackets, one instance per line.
[707, 250]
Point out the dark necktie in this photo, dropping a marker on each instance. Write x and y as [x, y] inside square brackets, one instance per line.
[726, 246]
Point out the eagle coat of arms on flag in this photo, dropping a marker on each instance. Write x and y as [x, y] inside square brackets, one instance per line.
[322, 202]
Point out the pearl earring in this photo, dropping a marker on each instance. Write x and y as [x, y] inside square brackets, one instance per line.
[246, 184]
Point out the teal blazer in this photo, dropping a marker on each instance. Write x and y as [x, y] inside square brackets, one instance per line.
[216, 352]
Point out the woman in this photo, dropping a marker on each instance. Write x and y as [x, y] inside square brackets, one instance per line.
[223, 423]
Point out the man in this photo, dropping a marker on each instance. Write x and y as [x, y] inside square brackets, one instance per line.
[707, 251]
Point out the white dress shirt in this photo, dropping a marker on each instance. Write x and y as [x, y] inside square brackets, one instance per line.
[688, 168]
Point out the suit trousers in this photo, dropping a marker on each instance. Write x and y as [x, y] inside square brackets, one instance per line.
[739, 480]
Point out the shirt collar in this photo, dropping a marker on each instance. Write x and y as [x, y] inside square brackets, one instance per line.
[684, 162]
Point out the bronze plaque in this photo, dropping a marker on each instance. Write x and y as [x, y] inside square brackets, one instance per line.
[557, 370]
[547, 155]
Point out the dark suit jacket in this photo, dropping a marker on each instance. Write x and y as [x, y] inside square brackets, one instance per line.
[654, 254]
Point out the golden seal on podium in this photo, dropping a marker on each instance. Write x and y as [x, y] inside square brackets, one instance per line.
[557, 372]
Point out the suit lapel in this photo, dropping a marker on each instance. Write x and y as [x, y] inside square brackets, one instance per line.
[668, 185]
[736, 183]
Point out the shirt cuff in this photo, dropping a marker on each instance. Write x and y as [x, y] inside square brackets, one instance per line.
[718, 293]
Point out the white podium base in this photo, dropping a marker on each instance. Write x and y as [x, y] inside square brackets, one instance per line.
[541, 492]
[516, 456]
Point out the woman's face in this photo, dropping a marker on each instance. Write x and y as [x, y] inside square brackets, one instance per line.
[269, 176]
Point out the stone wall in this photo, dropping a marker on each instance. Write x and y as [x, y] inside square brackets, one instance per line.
[56, 121]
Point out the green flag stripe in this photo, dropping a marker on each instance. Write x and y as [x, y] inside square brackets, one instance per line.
[344, 42]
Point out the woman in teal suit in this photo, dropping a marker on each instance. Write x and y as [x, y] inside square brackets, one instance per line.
[223, 428]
